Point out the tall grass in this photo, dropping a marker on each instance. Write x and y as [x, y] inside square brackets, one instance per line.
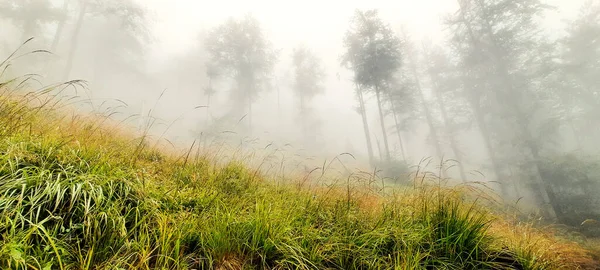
[76, 193]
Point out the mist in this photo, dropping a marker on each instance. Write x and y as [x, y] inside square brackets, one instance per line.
[509, 98]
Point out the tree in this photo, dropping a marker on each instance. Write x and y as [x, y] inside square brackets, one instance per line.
[362, 110]
[500, 45]
[238, 49]
[127, 14]
[412, 70]
[401, 99]
[471, 64]
[60, 26]
[308, 82]
[31, 15]
[580, 66]
[212, 73]
[445, 83]
[373, 54]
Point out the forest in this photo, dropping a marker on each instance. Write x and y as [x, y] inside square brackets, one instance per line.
[505, 95]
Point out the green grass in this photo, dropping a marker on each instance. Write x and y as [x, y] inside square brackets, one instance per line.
[78, 193]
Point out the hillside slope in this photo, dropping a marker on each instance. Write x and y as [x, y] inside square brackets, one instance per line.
[76, 193]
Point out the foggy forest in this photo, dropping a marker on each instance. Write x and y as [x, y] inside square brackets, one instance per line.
[499, 94]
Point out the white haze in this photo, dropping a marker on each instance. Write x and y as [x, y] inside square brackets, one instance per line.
[177, 26]
[321, 26]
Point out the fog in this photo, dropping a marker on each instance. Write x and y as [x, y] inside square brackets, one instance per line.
[507, 92]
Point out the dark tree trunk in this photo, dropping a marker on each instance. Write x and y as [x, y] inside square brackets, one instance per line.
[363, 114]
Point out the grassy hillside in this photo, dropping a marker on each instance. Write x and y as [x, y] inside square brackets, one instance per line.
[78, 193]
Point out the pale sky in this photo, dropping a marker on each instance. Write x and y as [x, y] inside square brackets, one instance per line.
[316, 22]
[320, 24]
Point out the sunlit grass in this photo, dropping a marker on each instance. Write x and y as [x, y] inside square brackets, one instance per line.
[77, 192]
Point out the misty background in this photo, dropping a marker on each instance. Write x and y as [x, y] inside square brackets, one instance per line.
[508, 92]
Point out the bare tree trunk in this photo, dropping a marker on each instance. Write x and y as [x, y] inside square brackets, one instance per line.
[379, 148]
[207, 122]
[363, 114]
[382, 122]
[428, 115]
[75, 40]
[449, 133]
[475, 106]
[486, 136]
[58, 33]
[207, 119]
[398, 130]
[438, 149]
[453, 143]
[59, 28]
[544, 190]
[303, 119]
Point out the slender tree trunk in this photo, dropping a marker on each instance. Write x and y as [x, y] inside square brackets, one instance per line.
[429, 118]
[398, 130]
[486, 136]
[453, 143]
[544, 190]
[379, 148]
[208, 95]
[303, 119]
[207, 118]
[438, 149]
[428, 115]
[478, 113]
[59, 28]
[449, 133]
[363, 114]
[75, 40]
[548, 194]
[58, 33]
[382, 122]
